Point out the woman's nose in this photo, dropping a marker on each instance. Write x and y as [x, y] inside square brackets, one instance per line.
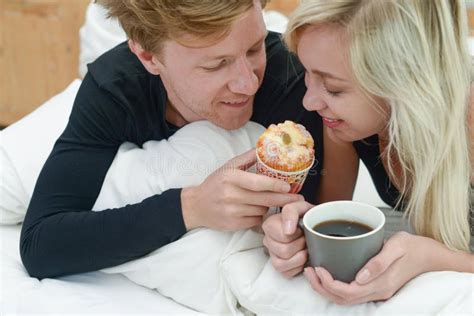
[312, 101]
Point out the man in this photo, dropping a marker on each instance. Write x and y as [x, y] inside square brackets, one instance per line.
[186, 60]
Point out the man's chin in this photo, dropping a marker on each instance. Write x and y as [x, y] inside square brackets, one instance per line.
[231, 123]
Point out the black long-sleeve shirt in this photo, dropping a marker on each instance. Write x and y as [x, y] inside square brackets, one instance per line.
[120, 101]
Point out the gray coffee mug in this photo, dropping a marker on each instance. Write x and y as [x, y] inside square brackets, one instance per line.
[343, 257]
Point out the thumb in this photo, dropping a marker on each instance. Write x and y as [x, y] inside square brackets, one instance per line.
[291, 213]
[380, 263]
[243, 161]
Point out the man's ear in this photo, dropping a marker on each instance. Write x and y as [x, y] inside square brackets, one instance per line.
[148, 60]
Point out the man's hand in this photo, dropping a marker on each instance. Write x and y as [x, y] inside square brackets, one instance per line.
[232, 199]
[285, 240]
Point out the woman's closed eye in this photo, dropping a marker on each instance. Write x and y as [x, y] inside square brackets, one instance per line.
[333, 92]
[332, 89]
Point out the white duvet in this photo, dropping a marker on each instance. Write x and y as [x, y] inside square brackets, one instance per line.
[204, 271]
[187, 270]
[217, 272]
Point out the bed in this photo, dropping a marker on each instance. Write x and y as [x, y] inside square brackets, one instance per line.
[87, 293]
[252, 285]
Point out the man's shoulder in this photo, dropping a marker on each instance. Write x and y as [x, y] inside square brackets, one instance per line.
[117, 64]
[281, 63]
[284, 73]
[118, 92]
[273, 40]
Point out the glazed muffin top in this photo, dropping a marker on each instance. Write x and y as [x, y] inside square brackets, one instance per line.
[286, 147]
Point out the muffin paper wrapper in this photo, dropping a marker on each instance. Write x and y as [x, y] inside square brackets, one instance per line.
[294, 178]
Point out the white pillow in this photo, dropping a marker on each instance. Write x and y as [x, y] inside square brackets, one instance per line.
[97, 35]
[24, 148]
[262, 290]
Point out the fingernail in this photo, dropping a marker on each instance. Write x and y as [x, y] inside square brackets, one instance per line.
[363, 277]
[318, 272]
[288, 227]
[306, 271]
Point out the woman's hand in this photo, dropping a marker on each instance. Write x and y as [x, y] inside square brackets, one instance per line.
[403, 257]
[285, 240]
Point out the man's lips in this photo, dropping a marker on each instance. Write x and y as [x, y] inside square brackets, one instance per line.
[236, 103]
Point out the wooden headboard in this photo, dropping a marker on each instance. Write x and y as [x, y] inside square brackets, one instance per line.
[39, 50]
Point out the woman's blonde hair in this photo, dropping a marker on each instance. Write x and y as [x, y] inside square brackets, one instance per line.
[413, 54]
[151, 22]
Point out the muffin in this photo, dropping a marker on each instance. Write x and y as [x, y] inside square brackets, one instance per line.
[286, 151]
[286, 147]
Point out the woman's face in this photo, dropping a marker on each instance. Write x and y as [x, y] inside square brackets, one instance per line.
[347, 112]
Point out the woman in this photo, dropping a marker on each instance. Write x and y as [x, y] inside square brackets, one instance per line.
[390, 78]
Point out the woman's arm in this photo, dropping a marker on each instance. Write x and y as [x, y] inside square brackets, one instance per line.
[441, 258]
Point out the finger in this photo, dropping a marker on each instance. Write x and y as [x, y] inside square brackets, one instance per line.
[375, 296]
[250, 210]
[243, 161]
[268, 199]
[239, 196]
[291, 213]
[284, 250]
[273, 230]
[390, 253]
[317, 286]
[259, 183]
[283, 265]
[369, 298]
[291, 273]
[349, 292]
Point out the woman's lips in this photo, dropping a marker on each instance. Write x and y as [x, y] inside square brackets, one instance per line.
[332, 123]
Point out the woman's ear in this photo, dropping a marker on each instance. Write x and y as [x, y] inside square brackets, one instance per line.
[148, 60]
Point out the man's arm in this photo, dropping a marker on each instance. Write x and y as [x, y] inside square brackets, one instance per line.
[61, 235]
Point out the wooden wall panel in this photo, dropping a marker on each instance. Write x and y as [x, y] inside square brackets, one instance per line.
[470, 15]
[283, 6]
[39, 49]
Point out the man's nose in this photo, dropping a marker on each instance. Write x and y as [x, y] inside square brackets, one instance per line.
[244, 81]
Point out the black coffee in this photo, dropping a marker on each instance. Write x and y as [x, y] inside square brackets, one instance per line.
[341, 228]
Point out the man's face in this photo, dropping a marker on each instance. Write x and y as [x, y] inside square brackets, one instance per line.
[217, 82]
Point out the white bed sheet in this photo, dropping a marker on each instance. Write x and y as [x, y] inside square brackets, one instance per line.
[87, 293]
